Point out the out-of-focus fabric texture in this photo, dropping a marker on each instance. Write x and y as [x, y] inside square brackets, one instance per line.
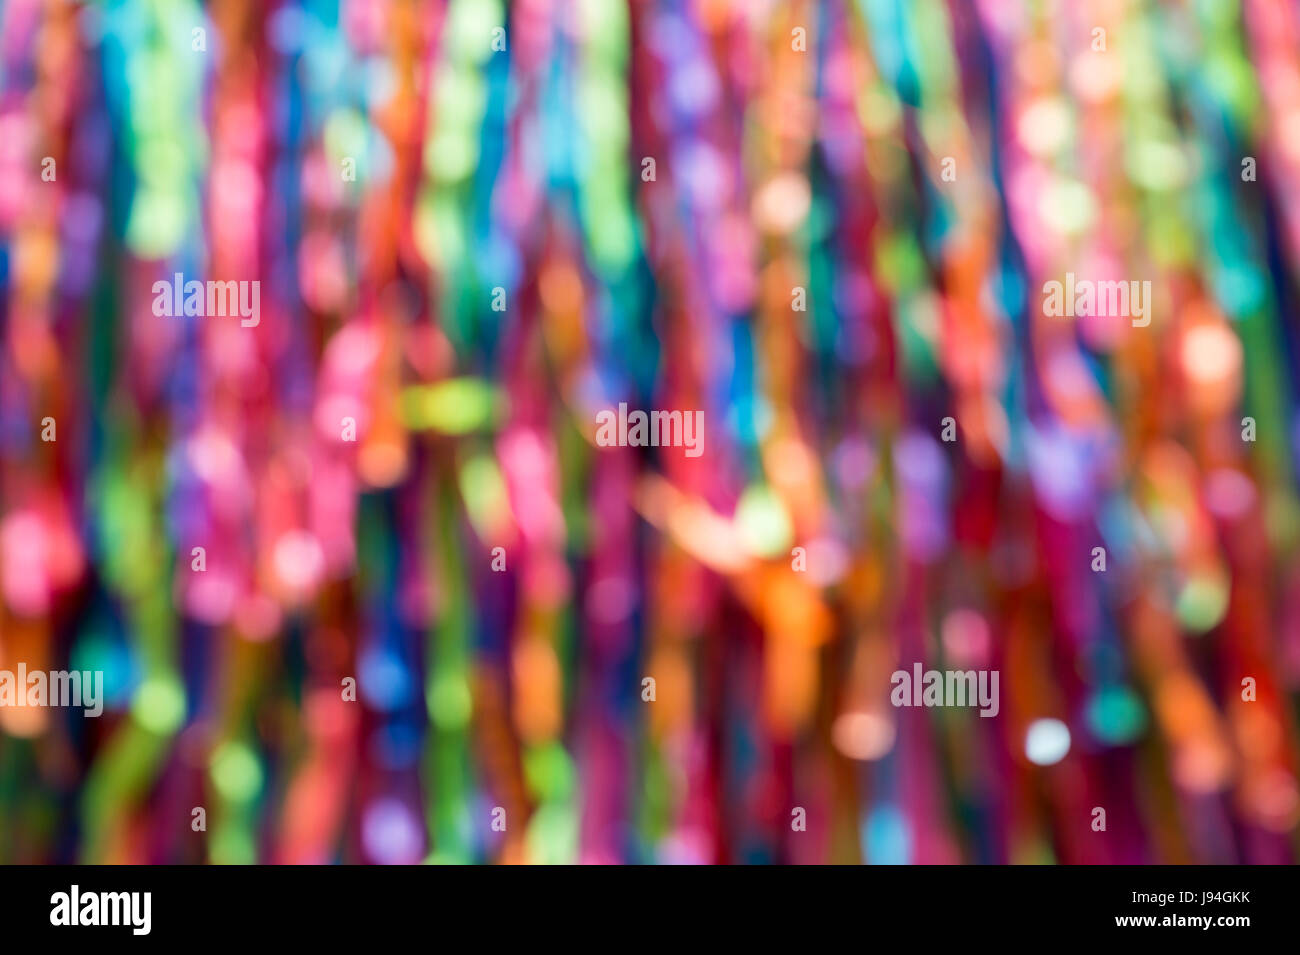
[309, 315]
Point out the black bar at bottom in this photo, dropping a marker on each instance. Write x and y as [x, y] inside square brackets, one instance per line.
[331, 905]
